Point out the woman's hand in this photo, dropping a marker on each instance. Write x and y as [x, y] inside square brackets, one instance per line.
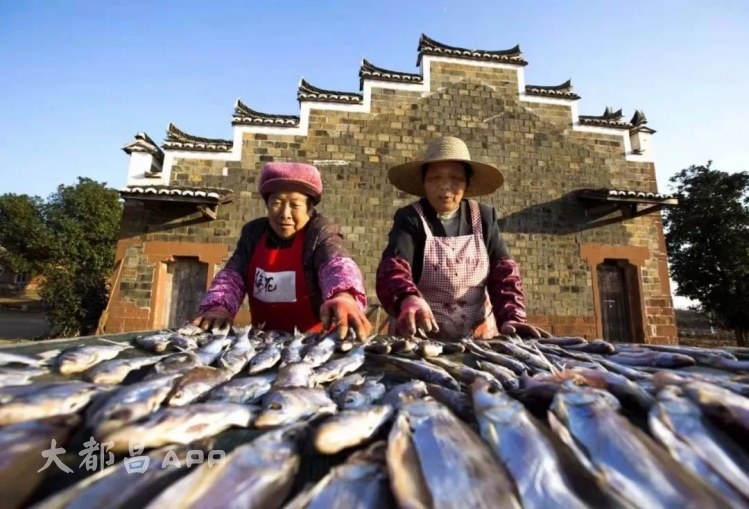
[343, 311]
[415, 312]
[523, 329]
[218, 317]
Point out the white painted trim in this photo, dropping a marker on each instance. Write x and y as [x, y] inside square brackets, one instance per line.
[369, 85]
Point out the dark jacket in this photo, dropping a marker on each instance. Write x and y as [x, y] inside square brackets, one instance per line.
[327, 265]
[400, 267]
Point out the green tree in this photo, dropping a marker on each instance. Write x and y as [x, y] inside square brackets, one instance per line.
[707, 236]
[70, 239]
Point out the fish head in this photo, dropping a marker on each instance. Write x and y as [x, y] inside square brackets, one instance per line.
[280, 408]
[576, 399]
[487, 397]
[353, 399]
[422, 409]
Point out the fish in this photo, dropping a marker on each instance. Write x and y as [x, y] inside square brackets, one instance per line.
[525, 449]
[41, 359]
[350, 428]
[507, 378]
[266, 359]
[183, 342]
[208, 354]
[292, 404]
[653, 359]
[434, 460]
[116, 370]
[402, 346]
[20, 458]
[236, 358]
[685, 420]
[129, 403]
[156, 343]
[243, 390]
[319, 353]
[452, 348]
[79, 358]
[338, 387]
[292, 352]
[628, 461]
[692, 351]
[378, 346]
[722, 406]
[499, 359]
[633, 374]
[629, 394]
[343, 346]
[259, 473]
[458, 402]
[179, 425]
[737, 366]
[175, 363]
[195, 383]
[463, 373]
[124, 485]
[519, 353]
[20, 375]
[296, 374]
[425, 371]
[27, 402]
[404, 392]
[361, 482]
[336, 368]
[190, 329]
[370, 392]
[428, 348]
[562, 341]
[596, 346]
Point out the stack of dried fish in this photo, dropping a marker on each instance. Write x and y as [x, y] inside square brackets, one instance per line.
[558, 422]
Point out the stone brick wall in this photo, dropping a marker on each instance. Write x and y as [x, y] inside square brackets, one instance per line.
[534, 144]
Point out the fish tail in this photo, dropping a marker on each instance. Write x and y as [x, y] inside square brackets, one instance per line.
[123, 345]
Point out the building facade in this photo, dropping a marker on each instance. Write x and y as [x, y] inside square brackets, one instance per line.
[579, 207]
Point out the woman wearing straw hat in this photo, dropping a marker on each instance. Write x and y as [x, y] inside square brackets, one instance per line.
[446, 267]
[292, 264]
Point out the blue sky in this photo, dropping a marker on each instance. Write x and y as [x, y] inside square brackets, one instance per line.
[80, 77]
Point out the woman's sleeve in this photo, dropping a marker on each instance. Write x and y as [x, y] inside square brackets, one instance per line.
[228, 287]
[504, 284]
[394, 280]
[337, 272]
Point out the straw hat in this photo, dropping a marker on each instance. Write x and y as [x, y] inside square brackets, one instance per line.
[407, 176]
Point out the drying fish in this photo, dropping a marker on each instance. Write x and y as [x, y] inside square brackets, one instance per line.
[428, 348]
[361, 482]
[506, 377]
[337, 368]
[425, 371]
[26, 402]
[183, 342]
[518, 352]
[629, 394]
[596, 346]
[632, 465]
[653, 359]
[292, 404]
[691, 351]
[129, 403]
[350, 428]
[175, 363]
[370, 392]
[259, 474]
[130, 483]
[402, 346]
[243, 390]
[459, 403]
[562, 341]
[524, 448]
[435, 460]
[319, 353]
[297, 374]
[379, 347]
[179, 425]
[683, 418]
[463, 373]
[20, 458]
[190, 329]
[156, 343]
[452, 348]
[401, 393]
[499, 359]
[209, 353]
[239, 353]
[41, 359]
[620, 369]
[116, 370]
[266, 359]
[19, 376]
[338, 387]
[343, 346]
[292, 352]
[195, 383]
[737, 366]
[721, 405]
[79, 358]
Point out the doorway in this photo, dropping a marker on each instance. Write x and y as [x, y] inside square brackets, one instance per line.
[619, 294]
[185, 287]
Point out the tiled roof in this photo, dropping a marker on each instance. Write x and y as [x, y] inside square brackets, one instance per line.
[207, 193]
[563, 91]
[243, 115]
[429, 46]
[177, 139]
[371, 72]
[610, 118]
[638, 122]
[144, 143]
[607, 194]
[308, 92]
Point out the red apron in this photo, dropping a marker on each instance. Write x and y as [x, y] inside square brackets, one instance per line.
[279, 296]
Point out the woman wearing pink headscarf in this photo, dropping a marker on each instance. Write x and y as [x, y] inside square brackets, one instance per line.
[446, 267]
[292, 264]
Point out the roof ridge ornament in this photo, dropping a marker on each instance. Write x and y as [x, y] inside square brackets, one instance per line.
[562, 91]
[308, 92]
[610, 118]
[178, 139]
[244, 115]
[369, 71]
[428, 46]
[144, 143]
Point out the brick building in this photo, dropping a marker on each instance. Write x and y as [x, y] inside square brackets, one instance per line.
[580, 204]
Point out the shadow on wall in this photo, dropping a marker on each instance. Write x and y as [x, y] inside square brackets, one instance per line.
[562, 216]
[157, 217]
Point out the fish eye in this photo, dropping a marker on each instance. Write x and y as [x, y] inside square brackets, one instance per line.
[274, 406]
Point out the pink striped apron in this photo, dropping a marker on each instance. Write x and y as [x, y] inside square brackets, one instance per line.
[453, 282]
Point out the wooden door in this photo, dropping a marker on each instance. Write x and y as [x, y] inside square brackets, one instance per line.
[615, 313]
[189, 277]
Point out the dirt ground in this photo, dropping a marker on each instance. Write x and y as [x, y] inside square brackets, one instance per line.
[22, 325]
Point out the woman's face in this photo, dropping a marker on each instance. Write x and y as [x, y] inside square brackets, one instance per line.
[288, 213]
[444, 185]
